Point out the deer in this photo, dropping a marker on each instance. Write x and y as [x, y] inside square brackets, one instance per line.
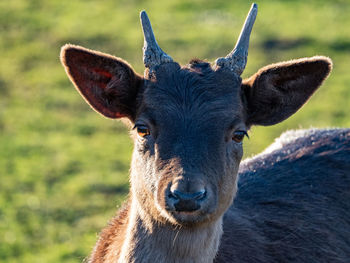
[191, 198]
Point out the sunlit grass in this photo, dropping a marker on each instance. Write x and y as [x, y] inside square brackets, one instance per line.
[64, 168]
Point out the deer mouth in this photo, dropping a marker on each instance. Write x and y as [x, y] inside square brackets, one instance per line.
[190, 209]
[189, 218]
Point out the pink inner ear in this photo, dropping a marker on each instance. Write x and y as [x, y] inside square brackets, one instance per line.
[104, 74]
[119, 115]
[102, 84]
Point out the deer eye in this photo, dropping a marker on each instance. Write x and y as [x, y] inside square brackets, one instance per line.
[238, 136]
[143, 131]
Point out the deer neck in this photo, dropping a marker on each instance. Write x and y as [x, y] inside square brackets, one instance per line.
[150, 241]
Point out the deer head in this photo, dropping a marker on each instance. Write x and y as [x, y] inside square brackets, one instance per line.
[189, 121]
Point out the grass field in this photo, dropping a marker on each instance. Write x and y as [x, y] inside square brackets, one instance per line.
[64, 168]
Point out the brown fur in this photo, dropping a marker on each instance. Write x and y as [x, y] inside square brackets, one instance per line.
[112, 237]
[108, 247]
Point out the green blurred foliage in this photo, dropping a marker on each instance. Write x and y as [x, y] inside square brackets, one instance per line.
[63, 168]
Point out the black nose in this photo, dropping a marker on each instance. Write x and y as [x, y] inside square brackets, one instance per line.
[188, 196]
[187, 202]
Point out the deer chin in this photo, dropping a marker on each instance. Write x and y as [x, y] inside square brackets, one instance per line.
[206, 214]
[190, 219]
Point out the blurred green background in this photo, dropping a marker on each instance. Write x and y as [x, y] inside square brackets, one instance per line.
[64, 168]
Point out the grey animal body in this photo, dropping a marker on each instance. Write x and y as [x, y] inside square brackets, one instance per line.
[293, 202]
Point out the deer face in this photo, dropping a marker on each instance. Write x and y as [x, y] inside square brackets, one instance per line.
[189, 122]
[188, 132]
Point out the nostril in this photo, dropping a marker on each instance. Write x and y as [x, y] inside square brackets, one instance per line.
[186, 201]
[200, 195]
[172, 196]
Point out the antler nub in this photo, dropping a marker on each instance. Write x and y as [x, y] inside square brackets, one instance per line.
[236, 60]
[153, 55]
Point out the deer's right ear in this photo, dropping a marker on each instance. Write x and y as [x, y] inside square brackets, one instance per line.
[108, 84]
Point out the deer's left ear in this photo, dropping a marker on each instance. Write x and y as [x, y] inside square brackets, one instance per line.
[277, 91]
[108, 84]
